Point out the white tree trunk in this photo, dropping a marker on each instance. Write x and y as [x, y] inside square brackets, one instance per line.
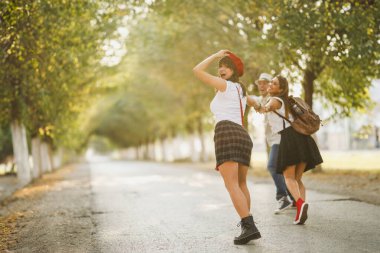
[45, 158]
[137, 157]
[157, 150]
[203, 155]
[195, 154]
[163, 150]
[145, 150]
[36, 154]
[20, 151]
[167, 149]
[50, 156]
[57, 158]
[150, 152]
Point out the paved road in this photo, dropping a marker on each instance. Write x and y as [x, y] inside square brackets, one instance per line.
[150, 207]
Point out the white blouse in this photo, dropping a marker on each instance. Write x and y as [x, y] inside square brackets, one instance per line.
[276, 122]
[226, 105]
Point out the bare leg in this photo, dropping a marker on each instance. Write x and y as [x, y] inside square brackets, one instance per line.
[300, 168]
[229, 172]
[291, 182]
[243, 170]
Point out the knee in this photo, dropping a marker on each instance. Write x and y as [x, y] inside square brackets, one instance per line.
[242, 184]
[231, 186]
[290, 179]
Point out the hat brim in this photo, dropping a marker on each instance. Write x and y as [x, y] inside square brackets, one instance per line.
[257, 81]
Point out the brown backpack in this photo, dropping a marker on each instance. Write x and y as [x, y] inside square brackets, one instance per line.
[305, 120]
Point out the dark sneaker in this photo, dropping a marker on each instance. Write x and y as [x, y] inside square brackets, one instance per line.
[283, 204]
[301, 216]
[249, 231]
[294, 206]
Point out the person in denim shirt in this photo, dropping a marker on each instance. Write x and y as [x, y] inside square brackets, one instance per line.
[273, 142]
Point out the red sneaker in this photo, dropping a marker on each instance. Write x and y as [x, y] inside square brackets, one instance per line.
[301, 216]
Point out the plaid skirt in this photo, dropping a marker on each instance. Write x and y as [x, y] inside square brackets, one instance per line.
[232, 143]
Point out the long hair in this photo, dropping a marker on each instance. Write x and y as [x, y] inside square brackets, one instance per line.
[227, 61]
[284, 94]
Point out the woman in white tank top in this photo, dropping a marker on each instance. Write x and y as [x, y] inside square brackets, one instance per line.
[297, 152]
[233, 145]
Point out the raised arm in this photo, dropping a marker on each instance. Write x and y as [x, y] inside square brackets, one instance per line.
[252, 101]
[273, 104]
[214, 81]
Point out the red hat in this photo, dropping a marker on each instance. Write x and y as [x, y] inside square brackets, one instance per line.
[238, 63]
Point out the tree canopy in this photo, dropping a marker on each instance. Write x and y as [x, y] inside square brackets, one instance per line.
[123, 69]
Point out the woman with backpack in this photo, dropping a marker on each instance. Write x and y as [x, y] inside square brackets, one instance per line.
[233, 145]
[297, 152]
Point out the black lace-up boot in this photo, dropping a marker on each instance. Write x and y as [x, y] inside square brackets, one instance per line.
[249, 231]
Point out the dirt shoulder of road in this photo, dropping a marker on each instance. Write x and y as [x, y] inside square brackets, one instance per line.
[54, 206]
[352, 184]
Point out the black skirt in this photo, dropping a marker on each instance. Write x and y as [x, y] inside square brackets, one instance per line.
[295, 148]
[232, 143]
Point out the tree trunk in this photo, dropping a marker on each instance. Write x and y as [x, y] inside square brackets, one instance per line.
[146, 150]
[137, 153]
[36, 154]
[163, 149]
[203, 156]
[57, 158]
[20, 151]
[50, 156]
[169, 148]
[156, 149]
[45, 158]
[152, 150]
[308, 86]
[194, 154]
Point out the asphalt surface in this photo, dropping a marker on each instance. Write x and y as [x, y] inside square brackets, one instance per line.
[152, 207]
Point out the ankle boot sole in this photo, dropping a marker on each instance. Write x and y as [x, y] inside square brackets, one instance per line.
[245, 240]
[303, 215]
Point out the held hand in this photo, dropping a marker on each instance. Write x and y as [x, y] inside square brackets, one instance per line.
[251, 101]
[222, 53]
[261, 110]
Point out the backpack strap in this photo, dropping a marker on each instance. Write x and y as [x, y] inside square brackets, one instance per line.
[285, 118]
